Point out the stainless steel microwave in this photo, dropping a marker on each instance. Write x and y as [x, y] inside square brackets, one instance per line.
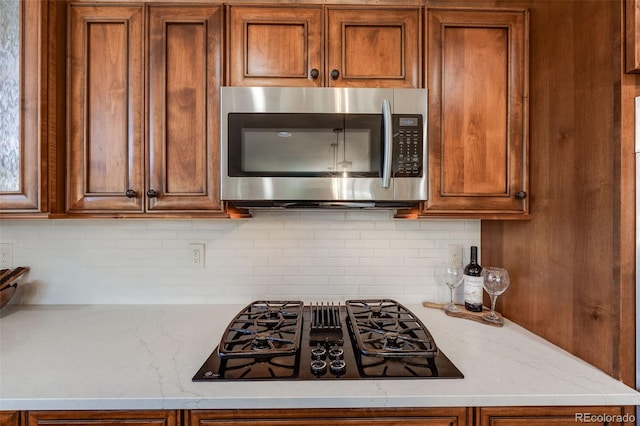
[297, 147]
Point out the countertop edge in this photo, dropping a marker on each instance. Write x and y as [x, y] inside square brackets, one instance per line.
[56, 404]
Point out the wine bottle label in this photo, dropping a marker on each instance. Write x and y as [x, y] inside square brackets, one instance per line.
[473, 290]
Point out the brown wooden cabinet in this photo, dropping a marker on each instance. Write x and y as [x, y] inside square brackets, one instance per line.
[104, 418]
[275, 46]
[632, 36]
[184, 79]
[557, 416]
[10, 418]
[453, 416]
[23, 154]
[121, 160]
[288, 46]
[373, 47]
[446, 416]
[477, 79]
[105, 109]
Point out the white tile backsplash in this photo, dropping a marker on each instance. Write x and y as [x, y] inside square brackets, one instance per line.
[311, 256]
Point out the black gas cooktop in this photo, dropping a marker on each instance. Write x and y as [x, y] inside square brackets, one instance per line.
[362, 339]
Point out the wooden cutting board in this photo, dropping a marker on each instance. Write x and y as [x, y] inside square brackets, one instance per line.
[8, 277]
[473, 316]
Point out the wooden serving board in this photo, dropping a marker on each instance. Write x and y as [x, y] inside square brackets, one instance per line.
[473, 316]
[9, 277]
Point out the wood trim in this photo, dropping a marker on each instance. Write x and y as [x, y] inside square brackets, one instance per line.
[57, 105]
[625, 237]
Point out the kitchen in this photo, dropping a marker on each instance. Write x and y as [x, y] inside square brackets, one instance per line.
[572, 261]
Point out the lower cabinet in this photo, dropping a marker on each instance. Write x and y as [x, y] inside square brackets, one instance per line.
[10, 418]
[355, 416]
[448, 416]
[556, 416]
[104, 418]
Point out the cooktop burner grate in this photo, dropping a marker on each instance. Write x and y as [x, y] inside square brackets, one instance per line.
[388, 329]
[263, 329]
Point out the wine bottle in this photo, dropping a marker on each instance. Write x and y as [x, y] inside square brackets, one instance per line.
[473, 283]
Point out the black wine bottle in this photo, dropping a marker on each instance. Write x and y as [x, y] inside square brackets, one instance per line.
[473, 283]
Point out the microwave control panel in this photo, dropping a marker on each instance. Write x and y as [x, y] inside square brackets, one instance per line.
[408, 143]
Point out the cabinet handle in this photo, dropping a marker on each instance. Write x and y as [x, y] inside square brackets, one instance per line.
[335, 74]
[130, 193]
[521, 195]
[152, 193]
[315, 74]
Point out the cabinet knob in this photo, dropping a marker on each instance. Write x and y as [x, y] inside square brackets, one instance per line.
[130, 193]
[315, 74]
[521, 195]
[335, 74]
[152, 193]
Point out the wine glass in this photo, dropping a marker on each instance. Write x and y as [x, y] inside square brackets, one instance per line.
[452, 277]
[495, 282]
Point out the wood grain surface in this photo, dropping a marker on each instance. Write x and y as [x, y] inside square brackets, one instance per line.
[464, 314]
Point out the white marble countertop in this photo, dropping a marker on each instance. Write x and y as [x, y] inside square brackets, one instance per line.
[144, 356]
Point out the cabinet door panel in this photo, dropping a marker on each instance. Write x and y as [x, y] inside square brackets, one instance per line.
[281, 62]
[100, 418]
[477, 83]
[105, 108]
[184, 78]
[374, 48]
[9, 418]
[275, 46]
[553, 416]
[474, 111]
[452, 416]
[632, 34]
[357, 63]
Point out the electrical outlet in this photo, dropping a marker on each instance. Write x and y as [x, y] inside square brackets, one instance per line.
[454, 255]
[196, 255]
[6, 255]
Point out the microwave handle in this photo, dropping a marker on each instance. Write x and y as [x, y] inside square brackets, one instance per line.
[387, 138]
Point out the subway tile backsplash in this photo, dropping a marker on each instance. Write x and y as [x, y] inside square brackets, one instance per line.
[310, 256]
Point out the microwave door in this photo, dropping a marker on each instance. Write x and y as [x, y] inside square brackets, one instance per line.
[301, 156]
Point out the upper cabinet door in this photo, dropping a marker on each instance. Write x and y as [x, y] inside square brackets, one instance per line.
[632, 36]
[22, 147]
[373, 47]
[477, 79]
[275, 46]
[105, 112]
[184, 81]
[285, 46]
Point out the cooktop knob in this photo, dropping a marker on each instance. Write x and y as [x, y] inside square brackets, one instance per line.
[338, 367]
[336, 352]
[319, 352]
[318, 367]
